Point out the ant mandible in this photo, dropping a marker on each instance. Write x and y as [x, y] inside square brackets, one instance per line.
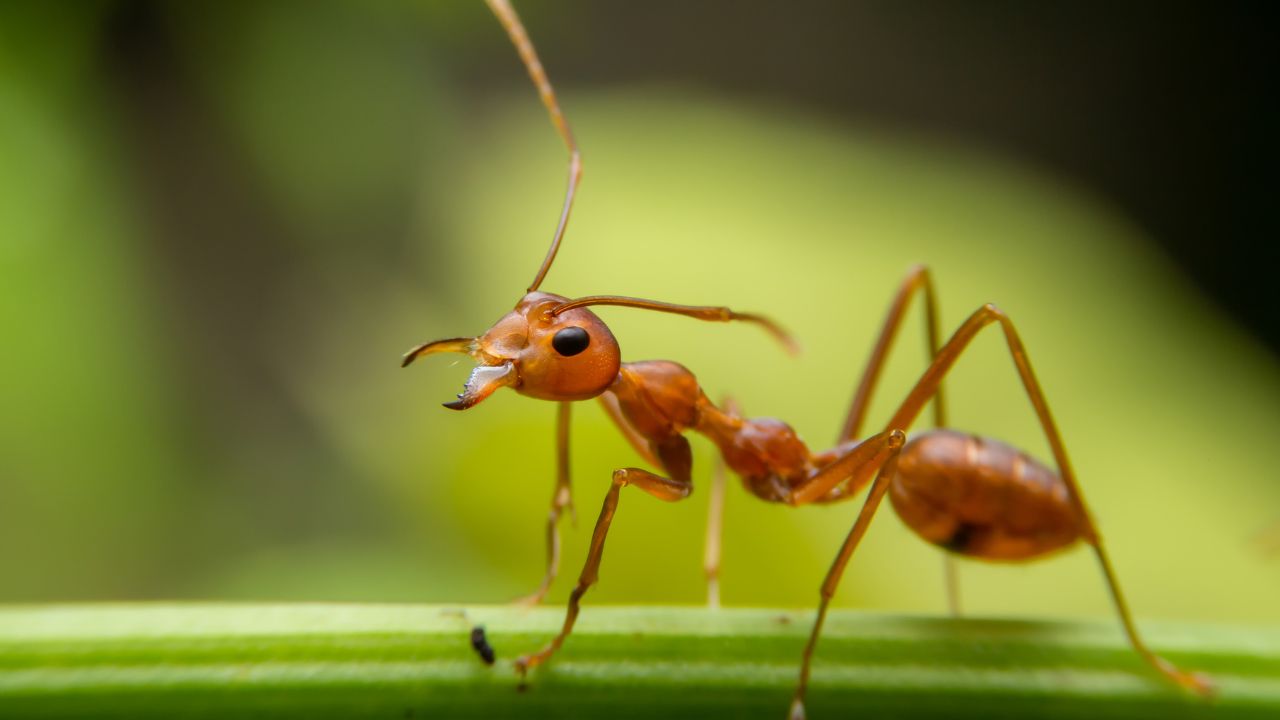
[969, 495]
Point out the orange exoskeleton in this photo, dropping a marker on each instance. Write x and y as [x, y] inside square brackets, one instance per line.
[970, 496]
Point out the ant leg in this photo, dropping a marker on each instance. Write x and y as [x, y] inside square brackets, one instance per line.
[951, 580]
[715, 510]
[877, 454]
[715, 530]
[910, 409]
[638, 442]
[563, 498]
[886, 461]
[986, 315]
[853, 468]
[715, 520]
[917, 278]
[660, 487]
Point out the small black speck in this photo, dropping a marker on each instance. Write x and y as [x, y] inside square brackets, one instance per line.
[481, 645]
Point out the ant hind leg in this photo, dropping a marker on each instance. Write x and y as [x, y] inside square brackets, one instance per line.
[920, 280]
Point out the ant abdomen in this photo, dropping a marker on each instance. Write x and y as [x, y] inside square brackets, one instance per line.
[982, 498]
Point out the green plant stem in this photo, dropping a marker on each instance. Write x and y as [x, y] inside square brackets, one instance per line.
[393, 661]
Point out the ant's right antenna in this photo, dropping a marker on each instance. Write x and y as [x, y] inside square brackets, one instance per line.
[507, 16]
[713, 313]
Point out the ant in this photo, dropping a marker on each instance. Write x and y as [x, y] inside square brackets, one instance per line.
[969, 495]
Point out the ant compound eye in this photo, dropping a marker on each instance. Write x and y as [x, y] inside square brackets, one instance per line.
[571, 341]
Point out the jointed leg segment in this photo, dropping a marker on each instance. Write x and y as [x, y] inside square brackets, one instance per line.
[715, 528]
[715, 520]
[887, 470]
[657, 486]
[951, 583]
[918, 279]
[561, 500]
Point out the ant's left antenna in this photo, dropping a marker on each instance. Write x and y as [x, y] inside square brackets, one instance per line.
[507, 16]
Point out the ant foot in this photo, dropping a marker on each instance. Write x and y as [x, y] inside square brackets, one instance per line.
[1198, 683]
[532, 600]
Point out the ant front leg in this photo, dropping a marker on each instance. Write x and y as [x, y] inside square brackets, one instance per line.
[560, 500]
[675, 453]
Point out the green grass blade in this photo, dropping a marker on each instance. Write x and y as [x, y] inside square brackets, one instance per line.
[391, 661]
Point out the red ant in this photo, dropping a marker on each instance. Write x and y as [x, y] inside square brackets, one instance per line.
[968, 495]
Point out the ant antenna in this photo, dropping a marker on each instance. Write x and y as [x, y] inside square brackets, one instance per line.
[520, 38]
[507, 16]
[710, 313]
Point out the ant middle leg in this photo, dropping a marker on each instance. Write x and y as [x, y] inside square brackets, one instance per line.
[715, 531]
[561, 500]
[715, 519]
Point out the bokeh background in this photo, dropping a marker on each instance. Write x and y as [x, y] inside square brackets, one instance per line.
[221, 224]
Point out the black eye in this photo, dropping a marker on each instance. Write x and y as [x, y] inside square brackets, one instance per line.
[571, 341]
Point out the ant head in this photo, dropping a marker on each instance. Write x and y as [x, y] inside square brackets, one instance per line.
[570, 355]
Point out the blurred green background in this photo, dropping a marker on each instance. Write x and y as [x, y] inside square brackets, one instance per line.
[220, 226]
